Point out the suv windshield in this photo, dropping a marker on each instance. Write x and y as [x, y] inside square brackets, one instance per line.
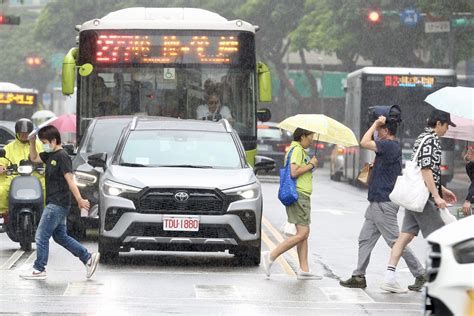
[105, 135]
[180, 149]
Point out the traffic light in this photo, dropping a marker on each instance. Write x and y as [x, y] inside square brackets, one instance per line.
[374, 17]
[9, 19]
[34, 61]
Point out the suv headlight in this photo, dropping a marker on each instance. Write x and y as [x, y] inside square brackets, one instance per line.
[245, 192]
[83, 179]
[115, 188]
[464, 251]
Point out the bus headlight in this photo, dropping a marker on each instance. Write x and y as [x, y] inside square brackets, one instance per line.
[83, 179]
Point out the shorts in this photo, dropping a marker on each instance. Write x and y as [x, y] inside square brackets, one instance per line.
[427, 221]
[300, 211]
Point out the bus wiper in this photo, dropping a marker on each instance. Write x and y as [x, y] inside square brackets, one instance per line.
[188, 166]
[132, 164]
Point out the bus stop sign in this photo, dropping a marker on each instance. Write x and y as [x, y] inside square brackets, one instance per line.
[410, 17]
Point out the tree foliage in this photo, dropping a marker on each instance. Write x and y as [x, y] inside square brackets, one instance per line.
[341, 27]
[335, 27]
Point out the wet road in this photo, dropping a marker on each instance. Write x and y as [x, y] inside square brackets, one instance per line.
[152, 283]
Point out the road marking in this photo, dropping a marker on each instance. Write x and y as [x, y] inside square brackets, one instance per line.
[216, 291]
[28, 262]
[331, 211]
[83, 288]
[345, 295]
[281, 260]
[12, 260]
[279, 237]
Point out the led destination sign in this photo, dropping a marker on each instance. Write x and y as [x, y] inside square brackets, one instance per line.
[409, 81]
[161, 49]
[17, 98]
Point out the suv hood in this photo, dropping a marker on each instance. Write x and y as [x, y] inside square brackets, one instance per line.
[180, 177]
[454, 232]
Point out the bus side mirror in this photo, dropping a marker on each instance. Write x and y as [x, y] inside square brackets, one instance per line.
[68, 77]
[264, 83]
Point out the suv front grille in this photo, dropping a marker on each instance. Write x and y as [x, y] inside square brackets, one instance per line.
[163, 201]
[433, 262]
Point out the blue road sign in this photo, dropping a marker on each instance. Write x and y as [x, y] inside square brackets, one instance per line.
[410, 17]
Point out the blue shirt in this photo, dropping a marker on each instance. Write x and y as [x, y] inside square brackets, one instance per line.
[387, 167]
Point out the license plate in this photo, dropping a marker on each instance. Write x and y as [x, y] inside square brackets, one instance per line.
[181, 223]
[263, 147]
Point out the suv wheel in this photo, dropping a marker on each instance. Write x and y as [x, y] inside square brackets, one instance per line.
[106, 255]
[248, 255]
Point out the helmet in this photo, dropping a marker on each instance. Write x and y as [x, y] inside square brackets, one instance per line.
[23, 125]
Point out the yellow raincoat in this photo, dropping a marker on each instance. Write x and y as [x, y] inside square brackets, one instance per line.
[15, 151]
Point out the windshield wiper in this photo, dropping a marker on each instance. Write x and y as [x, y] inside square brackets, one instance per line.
[132, 164]
[187, 166]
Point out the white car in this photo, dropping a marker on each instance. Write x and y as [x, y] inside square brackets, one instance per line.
[450, 269]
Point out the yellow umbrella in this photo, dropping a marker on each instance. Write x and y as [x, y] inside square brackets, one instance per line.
[327, 129]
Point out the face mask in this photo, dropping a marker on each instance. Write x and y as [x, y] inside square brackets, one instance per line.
[47, 148]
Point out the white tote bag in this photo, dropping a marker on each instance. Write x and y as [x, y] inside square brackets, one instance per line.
[410, 190]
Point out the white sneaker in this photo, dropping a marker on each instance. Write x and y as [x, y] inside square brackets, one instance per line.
[91, 265]
[393, 287]
[34, 274]
[302, 275]
[267, 263]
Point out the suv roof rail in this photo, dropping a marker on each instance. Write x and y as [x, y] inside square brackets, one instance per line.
[134, 122]
[226, 124]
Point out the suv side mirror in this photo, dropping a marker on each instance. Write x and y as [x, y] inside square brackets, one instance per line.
[69, 148]
[97, 160]
[263, 163]
[3, 153]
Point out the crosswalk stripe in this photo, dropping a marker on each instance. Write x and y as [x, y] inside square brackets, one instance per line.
[279, 237]
[281, 260]
[12, 260]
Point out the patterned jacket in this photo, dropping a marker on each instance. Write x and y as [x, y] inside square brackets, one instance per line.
[430, 155]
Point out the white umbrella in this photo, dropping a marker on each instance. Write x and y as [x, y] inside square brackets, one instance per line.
[43, 114]
[458, 101]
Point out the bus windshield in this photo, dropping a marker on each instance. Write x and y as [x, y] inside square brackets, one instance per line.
[410, 99]
[184, 94]
[187, 74]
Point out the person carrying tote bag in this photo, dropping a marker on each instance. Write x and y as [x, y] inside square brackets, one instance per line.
[429, 220]
[299, 212]
[410, 190]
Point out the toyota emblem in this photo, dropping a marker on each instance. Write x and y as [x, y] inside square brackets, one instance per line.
[181, 196]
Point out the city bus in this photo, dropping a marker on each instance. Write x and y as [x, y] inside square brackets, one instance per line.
[406, 87]
[164, 61]
[17, 102]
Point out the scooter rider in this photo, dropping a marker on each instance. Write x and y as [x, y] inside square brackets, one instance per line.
[16, 151]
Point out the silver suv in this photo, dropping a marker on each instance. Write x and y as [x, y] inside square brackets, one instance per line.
[181, 185]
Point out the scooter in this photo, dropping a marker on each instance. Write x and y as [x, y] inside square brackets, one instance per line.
[25, 203]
